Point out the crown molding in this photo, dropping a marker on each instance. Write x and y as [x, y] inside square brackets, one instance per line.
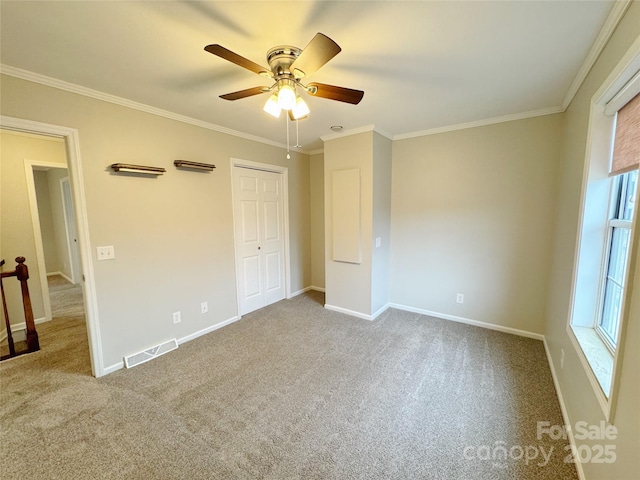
[354, 131]
[615, 15]
[124, 102]
[481, 123]
[613, 19]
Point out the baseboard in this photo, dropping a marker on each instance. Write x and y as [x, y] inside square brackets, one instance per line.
[51, 274]
[210, 329]
[563, 408]
[112, 368]
[16, 327]
[353, 313]
[299, 292]
[306, 289]
[120, 365]
[468, 321]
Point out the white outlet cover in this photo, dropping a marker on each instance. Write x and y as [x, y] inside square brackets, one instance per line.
[204, 307]
[105, 253]
[177, 317]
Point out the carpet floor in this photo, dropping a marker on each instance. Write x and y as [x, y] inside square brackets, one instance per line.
[290, 391]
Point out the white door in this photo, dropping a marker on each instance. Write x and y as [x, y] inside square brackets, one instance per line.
[259, 232]
[72, 232]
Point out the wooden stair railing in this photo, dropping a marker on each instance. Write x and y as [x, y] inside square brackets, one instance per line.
[22, 274]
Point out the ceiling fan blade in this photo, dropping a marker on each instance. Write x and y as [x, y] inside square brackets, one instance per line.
[319, 51]
[239, 60]
[332, 92]
[249, 92]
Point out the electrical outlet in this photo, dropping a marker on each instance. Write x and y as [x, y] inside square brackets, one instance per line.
[561, 359]
[105, 253]
[460, 298]
[177, 318]
[204, 307]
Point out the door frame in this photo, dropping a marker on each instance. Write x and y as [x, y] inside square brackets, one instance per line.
[29, 167]
[74, 166]
[267, 167]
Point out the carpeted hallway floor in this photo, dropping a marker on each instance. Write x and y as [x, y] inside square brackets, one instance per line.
[291, 391]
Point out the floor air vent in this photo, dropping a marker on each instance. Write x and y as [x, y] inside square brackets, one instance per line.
[150, 353]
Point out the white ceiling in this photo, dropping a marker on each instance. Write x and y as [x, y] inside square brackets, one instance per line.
[423, 65]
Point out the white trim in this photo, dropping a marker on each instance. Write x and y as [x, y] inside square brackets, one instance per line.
[307, 289]
[35, 225]
[615, 15]
[204, 331]
[124, 102]
[468, 321]
[624, 96]
[353, 313]
[112, 368]
[300, 292]
[346, 311]
[17, 327]
[355, 131]
[593, 380]
[380, 311]
[120, 365]
[563, 407]
[51, 274]
[480, 123]
[598, 146]
[74, 165]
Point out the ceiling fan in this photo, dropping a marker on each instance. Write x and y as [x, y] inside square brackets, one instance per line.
[288, 66]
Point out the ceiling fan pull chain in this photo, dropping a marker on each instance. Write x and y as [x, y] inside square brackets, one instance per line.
[288, 156]
[297, 134]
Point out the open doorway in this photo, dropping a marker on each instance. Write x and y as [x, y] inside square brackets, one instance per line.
[55, 218]
[44, 219]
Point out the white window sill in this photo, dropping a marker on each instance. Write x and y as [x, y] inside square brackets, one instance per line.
[598, 356]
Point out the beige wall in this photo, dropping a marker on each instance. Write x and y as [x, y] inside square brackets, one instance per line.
[41, 181]
[471, 214]
[348, 285]
[578, 394]
[381, 227]
[16, 227]
[316, 187]
[173, 235]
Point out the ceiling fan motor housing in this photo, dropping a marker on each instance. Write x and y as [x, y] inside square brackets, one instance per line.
[280, 59]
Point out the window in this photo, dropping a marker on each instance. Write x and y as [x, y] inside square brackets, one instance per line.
[606, 248]
[617, 254]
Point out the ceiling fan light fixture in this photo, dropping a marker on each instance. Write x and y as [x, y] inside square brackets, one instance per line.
[301, 109]
[286, 97]
[272, 106]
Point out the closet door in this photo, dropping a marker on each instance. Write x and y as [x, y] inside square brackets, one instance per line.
[259, 236]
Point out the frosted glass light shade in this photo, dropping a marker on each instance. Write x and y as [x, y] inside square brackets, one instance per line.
[272, 107]
[286, 97]
[301, 109]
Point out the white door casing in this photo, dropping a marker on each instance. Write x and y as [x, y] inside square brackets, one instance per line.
[74, 165]
[260, 237]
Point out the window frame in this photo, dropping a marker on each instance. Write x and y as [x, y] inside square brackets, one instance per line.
[617, 200]
[591, 241]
